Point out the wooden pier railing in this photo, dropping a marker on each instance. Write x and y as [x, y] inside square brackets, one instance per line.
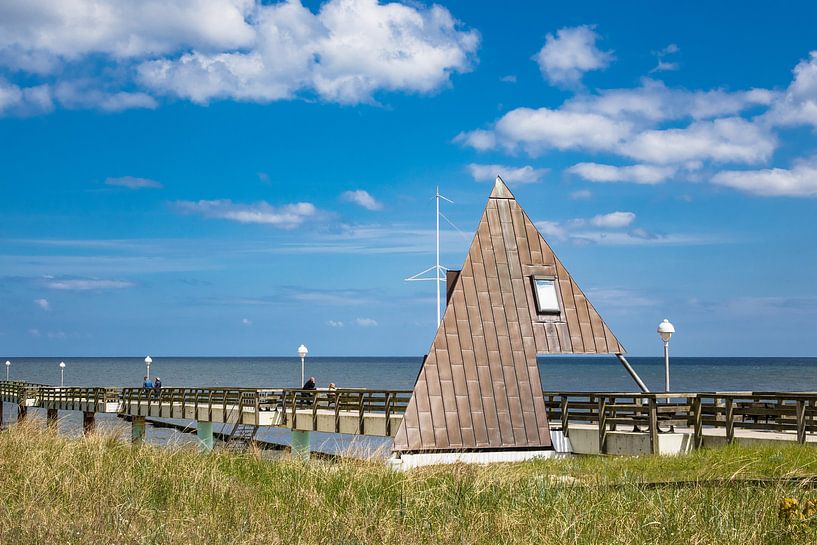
[378, 412]
[97, 400]
[650, 412]
[358, 401]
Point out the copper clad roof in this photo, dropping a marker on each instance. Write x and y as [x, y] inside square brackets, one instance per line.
[479, 386]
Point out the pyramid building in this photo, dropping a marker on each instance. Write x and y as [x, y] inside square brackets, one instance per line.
[479, 386]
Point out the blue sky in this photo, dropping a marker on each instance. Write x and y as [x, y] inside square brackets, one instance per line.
[230, 178]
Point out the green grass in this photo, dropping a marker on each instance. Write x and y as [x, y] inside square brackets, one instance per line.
[100, 490]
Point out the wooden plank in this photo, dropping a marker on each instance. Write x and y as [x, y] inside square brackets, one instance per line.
[584, 322]
[476, 419]
[506, 323]
[492, 360]
[568, 304]
[521, 233]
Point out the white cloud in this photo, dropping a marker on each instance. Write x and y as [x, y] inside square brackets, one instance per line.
[619, 298]
[43, 304]
[724, 140]
[542, 129]
[363, 198]
[203, 50]
[552, 229]
[79, 94]
[639, 174]
[87, 284]
[799, 181]
[513, 175]
[663, 65]
[799, 103]
[132, 182]
[73, 28]
[654, 102]
[478, 139]
[288, 216]
[33, 332]
[366, 322]
[613, 220]
[344, 53]
[612, 230]
[581, 194]
[567, 56]
[510, 78]
[24, 100]
[627, 122]
[338, 297]
[246, 321]
[334, 323]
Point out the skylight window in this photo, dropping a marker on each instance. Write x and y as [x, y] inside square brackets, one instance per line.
[547, 301]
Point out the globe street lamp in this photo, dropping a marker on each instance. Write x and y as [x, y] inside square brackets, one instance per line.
[302, 352]
[8, 366]
[148, 361]
[666, 329]
[62, 374]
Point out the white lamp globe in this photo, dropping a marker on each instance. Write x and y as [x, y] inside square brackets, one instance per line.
[302, 351]
[666, 329]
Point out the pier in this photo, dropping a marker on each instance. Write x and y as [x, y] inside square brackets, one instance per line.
[478, 396]
[618, 423]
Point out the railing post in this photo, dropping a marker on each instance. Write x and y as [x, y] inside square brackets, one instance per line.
[137, 434]
[653, 407]
[88, 422]
[602, 425]
[315, 397]
[564, 408]
[612, 401]
[801, 421]
[360, 420]
[697, 423]
[388, 414]
[730, 421]
[337, 411]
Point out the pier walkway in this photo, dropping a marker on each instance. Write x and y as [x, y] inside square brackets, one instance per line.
[580, 422]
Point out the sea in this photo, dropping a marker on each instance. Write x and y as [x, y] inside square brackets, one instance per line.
[558, 373]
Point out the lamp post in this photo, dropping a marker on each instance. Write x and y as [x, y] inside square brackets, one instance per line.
[302, 352]
[8, 366]
[148, 361]
[666, 329]
[62, 374]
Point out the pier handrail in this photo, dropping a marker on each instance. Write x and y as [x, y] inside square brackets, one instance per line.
[89, 399]
[767, 411]
[793, 413]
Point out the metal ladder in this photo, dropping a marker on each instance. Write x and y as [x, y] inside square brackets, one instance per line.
[242, 435]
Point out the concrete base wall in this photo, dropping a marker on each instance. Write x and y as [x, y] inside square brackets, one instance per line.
[410, 461]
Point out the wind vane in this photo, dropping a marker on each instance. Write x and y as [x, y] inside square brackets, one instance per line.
[439, 271]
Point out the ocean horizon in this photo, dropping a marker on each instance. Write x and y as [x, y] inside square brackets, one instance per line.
[567, 373]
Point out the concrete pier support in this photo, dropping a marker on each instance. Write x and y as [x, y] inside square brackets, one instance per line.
[1, 413]
[299, 445]
[204, 433]
[51, 418]
[137, 432]
[22, 412]
[88, 422]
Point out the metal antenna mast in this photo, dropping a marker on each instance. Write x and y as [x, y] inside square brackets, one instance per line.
[439, 271]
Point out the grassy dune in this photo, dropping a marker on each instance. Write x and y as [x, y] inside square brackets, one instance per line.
[100, 490]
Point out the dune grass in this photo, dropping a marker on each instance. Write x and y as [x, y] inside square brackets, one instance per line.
[100, 490]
